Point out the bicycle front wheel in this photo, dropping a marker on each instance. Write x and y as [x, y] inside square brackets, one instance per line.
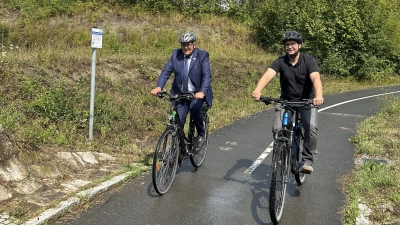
[165, 161]
[199, 153]
[280, 172]
[300, 177]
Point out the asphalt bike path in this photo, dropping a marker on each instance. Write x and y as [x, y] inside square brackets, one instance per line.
[232, 186]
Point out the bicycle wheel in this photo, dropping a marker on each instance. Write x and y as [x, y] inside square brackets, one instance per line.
[199, 154]
[280, 172]
[300, 177]
[165, 161]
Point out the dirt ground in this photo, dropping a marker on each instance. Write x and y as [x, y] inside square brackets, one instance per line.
[33, 180]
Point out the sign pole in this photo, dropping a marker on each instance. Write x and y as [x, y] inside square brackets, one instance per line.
[96, 43]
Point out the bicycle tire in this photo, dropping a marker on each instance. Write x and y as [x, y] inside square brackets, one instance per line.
[199, 154]
[165, 161]
[300, 177]
[280, 171]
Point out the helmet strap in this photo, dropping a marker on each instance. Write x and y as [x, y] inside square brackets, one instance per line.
[292, 56]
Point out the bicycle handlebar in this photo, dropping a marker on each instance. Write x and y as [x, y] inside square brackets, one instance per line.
[181, 96]
[269, 100]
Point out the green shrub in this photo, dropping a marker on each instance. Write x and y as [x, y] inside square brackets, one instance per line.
[343, 35]
[4, 33]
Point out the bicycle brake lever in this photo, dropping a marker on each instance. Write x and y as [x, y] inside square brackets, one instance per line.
[190, 96]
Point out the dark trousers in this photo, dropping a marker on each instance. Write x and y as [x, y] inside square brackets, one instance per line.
[194, 107]
[309, 118]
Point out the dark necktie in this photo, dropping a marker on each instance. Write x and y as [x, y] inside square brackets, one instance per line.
[185, 75]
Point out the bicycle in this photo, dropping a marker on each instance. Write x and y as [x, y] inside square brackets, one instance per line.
[286, 154]
[174, 145]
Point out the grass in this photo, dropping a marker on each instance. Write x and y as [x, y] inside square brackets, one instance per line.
[45, 71]
[376, 182]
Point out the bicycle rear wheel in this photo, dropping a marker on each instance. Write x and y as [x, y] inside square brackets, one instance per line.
[199, 154]
[280, 173]
[300, 177]
[165, 161]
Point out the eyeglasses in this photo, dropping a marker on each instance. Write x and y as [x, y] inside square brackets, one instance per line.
[290, 45]
[187, 44]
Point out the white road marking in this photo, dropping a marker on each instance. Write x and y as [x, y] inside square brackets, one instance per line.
[260, 159]
[344, 114]
[264, 155]
[357, 99]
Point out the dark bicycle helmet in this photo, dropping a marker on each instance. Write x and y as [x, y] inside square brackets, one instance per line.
[187, 37]
[292, 35]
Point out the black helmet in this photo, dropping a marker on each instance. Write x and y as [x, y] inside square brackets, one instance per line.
[292, 35]
[187, 37]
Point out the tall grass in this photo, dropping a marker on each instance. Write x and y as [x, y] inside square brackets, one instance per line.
[376, 181]
[45, 70]
[45, 73]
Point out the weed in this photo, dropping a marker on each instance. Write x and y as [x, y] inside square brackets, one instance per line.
[375, 183]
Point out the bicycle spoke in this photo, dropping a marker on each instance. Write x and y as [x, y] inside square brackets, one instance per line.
[278, 181]
[199, 154]
[165, 162]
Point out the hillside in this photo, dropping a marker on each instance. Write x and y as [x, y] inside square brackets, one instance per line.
[45, 97]
[45, 70]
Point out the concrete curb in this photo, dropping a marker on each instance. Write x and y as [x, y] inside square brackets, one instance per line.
[64, 206]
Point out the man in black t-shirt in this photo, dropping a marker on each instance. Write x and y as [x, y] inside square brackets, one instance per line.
[299, 79]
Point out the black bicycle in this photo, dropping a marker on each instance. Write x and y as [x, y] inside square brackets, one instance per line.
[174, 146]
[286, 154]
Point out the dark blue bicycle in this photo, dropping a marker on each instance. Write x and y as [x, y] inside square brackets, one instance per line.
[286, 154]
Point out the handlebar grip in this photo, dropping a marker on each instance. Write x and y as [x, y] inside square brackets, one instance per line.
[161, 94]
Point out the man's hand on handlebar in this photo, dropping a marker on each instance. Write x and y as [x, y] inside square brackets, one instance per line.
[199, 95]
[156, 90]
[318, 101]
[256, 95]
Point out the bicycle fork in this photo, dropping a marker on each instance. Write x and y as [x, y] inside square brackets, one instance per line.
[182, 144]
[285, 160]
[291, 152]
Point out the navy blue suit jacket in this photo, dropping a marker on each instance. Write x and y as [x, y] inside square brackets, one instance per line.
[199, 73]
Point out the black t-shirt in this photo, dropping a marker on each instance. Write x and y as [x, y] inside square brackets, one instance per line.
[295, 80]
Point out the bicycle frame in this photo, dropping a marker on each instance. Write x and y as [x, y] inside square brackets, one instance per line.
[289, 134]
[175, 123]
[286, 154]
[173, 145]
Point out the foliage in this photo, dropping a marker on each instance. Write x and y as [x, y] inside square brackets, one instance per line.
[344, 36]
[4, 33]
[53, 40]
[44, 96]
[348, 38]
[375, 181]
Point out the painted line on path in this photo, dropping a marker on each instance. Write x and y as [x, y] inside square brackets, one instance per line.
[264, 155]
[260, 159]
[357, 99]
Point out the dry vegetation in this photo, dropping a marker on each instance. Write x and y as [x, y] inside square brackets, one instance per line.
[45, 75]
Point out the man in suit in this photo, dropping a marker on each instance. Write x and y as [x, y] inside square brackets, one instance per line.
[191, 67]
